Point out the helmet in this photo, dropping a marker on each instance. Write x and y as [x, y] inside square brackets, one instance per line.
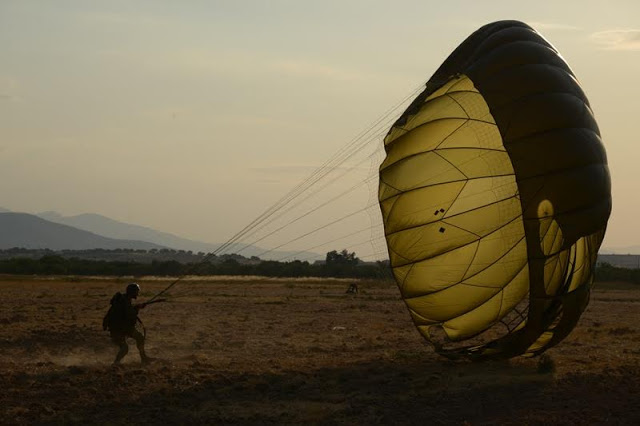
[133, 289]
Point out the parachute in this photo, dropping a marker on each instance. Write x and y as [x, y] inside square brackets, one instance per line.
[495, 195]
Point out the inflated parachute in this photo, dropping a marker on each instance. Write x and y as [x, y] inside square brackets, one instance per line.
[495, 195]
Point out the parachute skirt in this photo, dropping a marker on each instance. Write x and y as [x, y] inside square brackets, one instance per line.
[495, 195]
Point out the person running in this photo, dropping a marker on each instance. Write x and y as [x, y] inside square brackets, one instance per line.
[121, 321]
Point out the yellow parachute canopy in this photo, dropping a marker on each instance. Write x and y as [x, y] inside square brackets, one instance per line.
[495, 195]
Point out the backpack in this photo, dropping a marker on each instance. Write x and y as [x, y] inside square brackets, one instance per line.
[116, 317]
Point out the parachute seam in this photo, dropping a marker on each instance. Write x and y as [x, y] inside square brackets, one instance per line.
[511, 43]
[460, 81]
[538, 93]
[521, 100]
[454, 166]
[520, 317]
[440, 220]
[558, 233]
[475, 253]
[459, 104]
[429, 150]
[446, 137]
[517, 195]
[455, 199]
[444, 183]
[496, 261]
[525, 202]
[555, 268]
[435, 120]
[482, 45]
[456, 215]
[523, 139]
[505, 69]
[498, 290]
[427, 101]
[466, 230]
[557, 172]
[386, 219]
[470, 148]
[471, 242]
[583, 207]
[400, 256]
[403, 159]
[529, 64]
[392, 187]
[498, 317]
[483, 302]
[548, 230]
[404, 280]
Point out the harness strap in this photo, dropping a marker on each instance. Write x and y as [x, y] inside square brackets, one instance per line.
[144, 330]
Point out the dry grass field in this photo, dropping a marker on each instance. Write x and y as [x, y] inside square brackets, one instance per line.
[268, 351]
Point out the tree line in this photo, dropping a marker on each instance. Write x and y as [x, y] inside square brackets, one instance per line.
[606, 272]
[343, 264]
[337, 264]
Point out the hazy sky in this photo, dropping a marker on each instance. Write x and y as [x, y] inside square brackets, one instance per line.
[192, 117]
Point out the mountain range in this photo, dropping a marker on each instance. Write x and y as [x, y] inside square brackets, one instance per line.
[620, 250]
[29, 231]
[110, 228]
[88, 231]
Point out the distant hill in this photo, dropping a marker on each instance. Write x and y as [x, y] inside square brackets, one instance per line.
[149, 238]
[110, 228]
[29, 231]
[620, 250]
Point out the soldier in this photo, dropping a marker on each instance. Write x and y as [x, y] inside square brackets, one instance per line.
[121, 321]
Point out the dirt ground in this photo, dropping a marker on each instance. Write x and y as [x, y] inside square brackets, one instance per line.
[260, 351]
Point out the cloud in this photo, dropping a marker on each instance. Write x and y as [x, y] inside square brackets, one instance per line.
[617, 39]
[243, 62]
[107, 18]
[309, 69]
[549, 26]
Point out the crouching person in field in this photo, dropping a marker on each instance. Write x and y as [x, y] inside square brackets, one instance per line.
[121, 320]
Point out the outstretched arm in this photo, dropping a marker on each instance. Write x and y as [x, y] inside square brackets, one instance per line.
[145, 304]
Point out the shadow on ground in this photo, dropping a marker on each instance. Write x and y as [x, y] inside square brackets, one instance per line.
[415, 391]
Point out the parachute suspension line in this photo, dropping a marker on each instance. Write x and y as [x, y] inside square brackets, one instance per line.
[335, 160]
[188, 272]
[378, 127]
[316, 230]
[278, 211]
[319, 174]
[359, 184]
[381, 273]
[279, 214]
[368, 228]
[349, 247]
